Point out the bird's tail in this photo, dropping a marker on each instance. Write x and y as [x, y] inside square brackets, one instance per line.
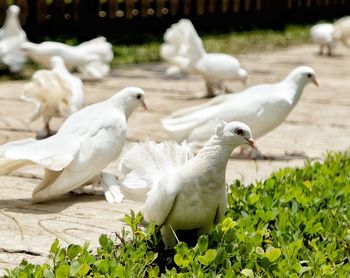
[98, 47]
[183, 47]
[143, 165]
[95, 69]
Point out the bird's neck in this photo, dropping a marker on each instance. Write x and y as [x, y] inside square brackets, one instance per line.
[297, 87]
[12, 24]
[122, 105]
[215, 154]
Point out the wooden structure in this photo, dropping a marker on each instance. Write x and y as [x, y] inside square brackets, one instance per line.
[108, 17]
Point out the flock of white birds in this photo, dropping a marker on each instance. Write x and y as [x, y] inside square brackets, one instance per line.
[181, 191]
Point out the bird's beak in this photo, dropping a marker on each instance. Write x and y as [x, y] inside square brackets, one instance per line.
[251, 142]
[144, 105]
[315, 81]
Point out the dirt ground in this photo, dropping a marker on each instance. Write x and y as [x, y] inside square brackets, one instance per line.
[319, 123]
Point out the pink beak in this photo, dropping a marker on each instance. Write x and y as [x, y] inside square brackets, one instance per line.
[251, 143]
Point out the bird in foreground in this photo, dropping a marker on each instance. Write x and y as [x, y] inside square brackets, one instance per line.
[262, 107]
[92, 58]
[185, 192]
[56, 93]
[323, 35]
[11, 38]
[184, 49]
[84, 145]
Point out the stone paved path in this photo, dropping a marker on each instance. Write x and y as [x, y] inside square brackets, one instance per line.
[320, 122]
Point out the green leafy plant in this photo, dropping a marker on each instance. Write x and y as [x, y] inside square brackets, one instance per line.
[294, 224]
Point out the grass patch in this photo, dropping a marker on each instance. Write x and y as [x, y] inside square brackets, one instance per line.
[294, 224]
[232, 43]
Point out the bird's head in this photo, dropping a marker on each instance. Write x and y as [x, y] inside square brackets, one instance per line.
[243, 75]
[13, 10]
[303, 75]
[130, 98]
[234, 133]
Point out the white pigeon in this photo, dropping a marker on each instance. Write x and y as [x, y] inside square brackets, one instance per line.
[186, 193]
[323, 35]
[184, 49]
[11, 38]
[84, 145]
[56, 93]
[262, 107]
[92, 58]
[342, 30]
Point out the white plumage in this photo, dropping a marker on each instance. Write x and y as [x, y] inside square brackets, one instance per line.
[323, 35]
[86, 142]
[262, 107]
[342, 30]
[11, 38]
[56, 93]
[184, 49]
[185, 193]
[92, 58]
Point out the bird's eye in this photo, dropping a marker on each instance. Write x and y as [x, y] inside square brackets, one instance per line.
[309, 75]
[139, 96]
[239, 132]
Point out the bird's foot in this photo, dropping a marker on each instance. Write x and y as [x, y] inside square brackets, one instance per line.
[111, 188]
[44, 134]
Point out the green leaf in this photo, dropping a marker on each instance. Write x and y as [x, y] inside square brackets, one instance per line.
[85, 268]
[272, 254]
[247, 273]
[73, 250]
[228, 224]
[62, 271]
[54, 246]
[208, 257]
[74, 268]
[202, 243]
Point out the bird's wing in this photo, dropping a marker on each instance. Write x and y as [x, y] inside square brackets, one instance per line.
[49, 153]
[160, 201]
[218, 66]
[215, 101]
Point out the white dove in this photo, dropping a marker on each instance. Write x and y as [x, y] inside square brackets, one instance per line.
[184, 49]
[185, 193]
[342, 30]
[11, 38]
[56, 93]
[92, 58]
[86, 142]
[262, 107]
[323, 35]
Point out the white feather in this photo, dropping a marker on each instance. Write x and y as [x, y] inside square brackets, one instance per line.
[143, 164]
[86, 142]
[84, 57]
[263, 107]
[11, 38]
[56, 92]
[186, 192]
[184, 49]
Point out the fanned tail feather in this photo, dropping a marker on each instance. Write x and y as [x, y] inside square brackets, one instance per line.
[96, 69]
[145, 163]
[183, 47]
[99, 47]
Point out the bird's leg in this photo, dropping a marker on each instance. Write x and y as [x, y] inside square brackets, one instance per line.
[46, 132]
[329, 50]
[226, 89]
[321, 50]
[210, 89]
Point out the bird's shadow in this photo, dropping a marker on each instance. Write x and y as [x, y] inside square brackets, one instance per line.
[57, 205]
